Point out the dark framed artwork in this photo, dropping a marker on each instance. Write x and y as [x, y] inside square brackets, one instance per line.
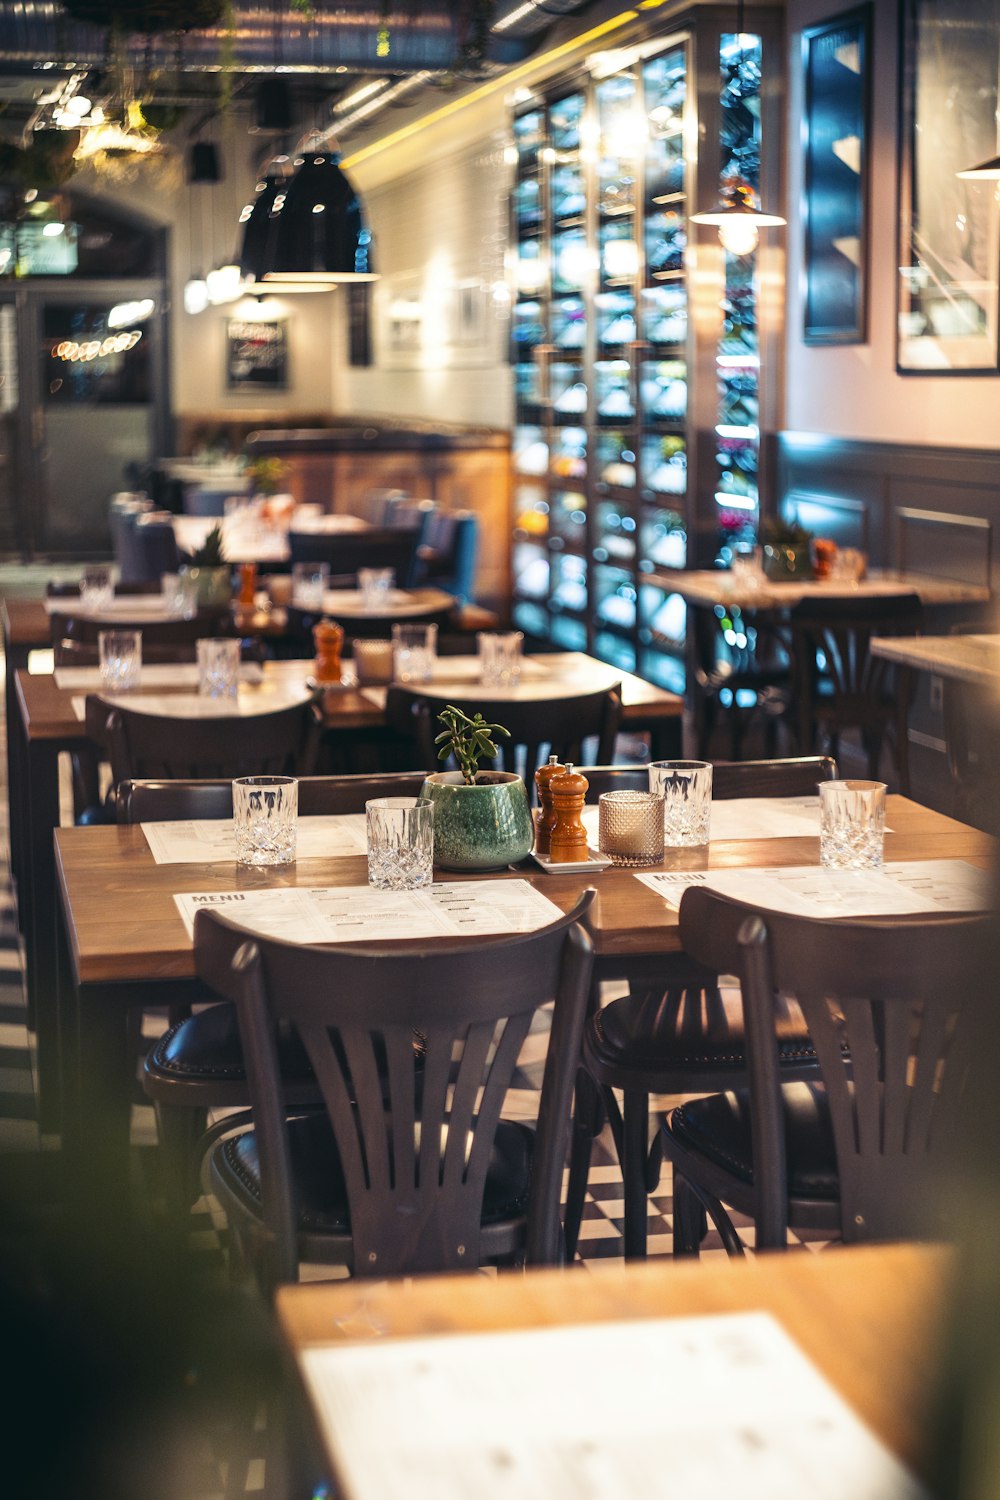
[949, 226]
[836, 60]
[256, 354]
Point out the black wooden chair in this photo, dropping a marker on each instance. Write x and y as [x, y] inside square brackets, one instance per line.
[197, 1065]
[738, 685]
[672, 1034]
[838, 685]
[400, 1173]
[142, 745]
[347, 551]
[891, 1008]
[538, 727]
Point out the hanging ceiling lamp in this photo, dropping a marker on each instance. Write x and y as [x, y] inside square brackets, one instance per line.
[738, 220]
[321, 236]
[259, 219]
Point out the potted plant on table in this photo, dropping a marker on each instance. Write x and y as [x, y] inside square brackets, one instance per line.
[481, 818]
[210, 571]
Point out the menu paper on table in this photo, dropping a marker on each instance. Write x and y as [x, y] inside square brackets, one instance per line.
[726, 1404]
[157, 674]
[903, 888]
[739, 818]
[213, 840]
[360, 914]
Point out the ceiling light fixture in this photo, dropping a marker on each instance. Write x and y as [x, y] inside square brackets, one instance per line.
[738, 220]
[321, 236]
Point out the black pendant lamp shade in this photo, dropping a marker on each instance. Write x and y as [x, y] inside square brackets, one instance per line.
[321, 234]
[260, 225]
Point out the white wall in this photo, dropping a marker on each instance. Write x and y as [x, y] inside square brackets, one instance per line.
[436, 225]
[854, 390]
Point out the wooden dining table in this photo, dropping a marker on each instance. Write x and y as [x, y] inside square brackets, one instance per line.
[126, 946]
[870, 1318]
[45, 723]
[246, 539]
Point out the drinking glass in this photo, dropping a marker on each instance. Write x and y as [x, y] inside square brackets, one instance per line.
[120, 656]
[747, 565]
[400, 843]
[631, 827]
[414, 650]
[180, 595]
[499, 658]
[852, 824]
[309, 584]
[265, 809]
[686, 789]
[372, 660]
[218, 667]
[375, 585]
[97, 588]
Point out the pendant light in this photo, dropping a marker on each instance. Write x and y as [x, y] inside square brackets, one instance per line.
[738, 220]
[259, 219]
[321, 236]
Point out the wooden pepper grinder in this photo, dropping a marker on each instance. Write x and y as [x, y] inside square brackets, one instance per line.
[543, 817]
[248, 585]
[329, 638]
[568, 838]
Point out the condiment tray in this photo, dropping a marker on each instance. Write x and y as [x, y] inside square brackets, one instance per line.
[594, 862]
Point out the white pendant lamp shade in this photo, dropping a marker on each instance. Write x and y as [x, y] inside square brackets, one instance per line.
[739, 223]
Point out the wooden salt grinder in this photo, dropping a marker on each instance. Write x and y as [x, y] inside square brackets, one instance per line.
[543, 817]
[329, 638]
[568, 839]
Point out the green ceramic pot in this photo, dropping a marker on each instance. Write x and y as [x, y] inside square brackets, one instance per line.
[783, 563]
[483, 827]
[215, 585]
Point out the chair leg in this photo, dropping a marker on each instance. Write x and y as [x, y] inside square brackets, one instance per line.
[635, 1147]
[588, 1116]
[690, 1219]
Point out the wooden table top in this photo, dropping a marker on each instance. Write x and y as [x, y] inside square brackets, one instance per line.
[869, 1317]
[47, 710]
[966, 658]
[712, 586]
[110, 870]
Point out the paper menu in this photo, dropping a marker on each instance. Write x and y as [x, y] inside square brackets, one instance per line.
[902, 888]
[739, 818]
[345, 914]
[706, 1405]
[212, 840]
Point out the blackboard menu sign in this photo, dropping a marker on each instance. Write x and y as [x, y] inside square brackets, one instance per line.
[256, 355]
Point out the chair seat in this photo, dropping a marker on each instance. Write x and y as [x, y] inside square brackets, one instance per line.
[628, 1034]
[206, 1046]
[718, 1128]
[321, 1195]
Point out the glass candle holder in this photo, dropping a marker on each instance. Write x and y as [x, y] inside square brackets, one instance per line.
[372, 660]
[630, 827]
[265, 813]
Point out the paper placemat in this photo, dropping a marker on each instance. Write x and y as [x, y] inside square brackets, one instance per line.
[213, 841]
[359, 914]
[157, 674]
[739, 818]
[698, 1406]
[903, 888]
[125, 607]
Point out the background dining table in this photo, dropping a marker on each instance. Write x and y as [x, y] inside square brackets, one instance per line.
[142, 955]
[46, 722]
[246, 539]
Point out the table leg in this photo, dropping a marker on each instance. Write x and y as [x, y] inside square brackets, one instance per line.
[38, 893]
[16, 659]
[98, 1107]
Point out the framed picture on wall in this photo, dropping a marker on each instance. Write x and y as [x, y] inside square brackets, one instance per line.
[836, 62]
[256, 354]
[949, 226]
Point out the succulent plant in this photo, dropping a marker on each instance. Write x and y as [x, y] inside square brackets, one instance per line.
[469, 740]
[211, 553]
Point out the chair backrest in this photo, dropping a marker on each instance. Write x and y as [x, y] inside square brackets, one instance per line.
[150, 547]
[447, 558]
[404, 514]
[795, 777]
[171, 801]
[75, 637]
[154, 745]
[538, 727]
[346, 552]
[891, 1009]
[840, 630]
[374, 506]
[414, 1151]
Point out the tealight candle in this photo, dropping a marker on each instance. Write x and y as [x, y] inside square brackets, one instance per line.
[631, 827]
[373, 660]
